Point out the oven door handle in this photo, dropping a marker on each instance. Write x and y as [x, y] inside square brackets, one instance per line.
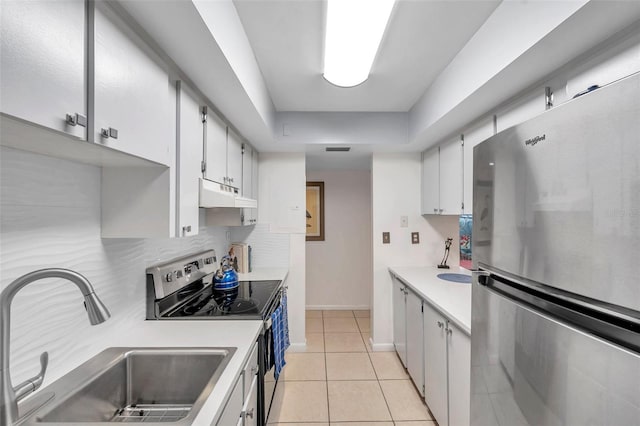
[268, 323]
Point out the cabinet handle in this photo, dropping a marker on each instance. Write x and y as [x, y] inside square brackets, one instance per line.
[449, 331]
[109, 133]
[254, 370]
[440, 324]
[435, 210]
[186, 229]
[249, 413]
[441, 210]
[79, 119]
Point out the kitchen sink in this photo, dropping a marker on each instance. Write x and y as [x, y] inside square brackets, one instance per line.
[150, 385]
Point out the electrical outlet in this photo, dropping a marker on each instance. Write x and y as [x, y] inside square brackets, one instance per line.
[404, 221]
[386, 238]
[415, 238]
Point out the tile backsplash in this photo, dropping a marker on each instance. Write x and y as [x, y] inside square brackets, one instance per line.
[50, 217]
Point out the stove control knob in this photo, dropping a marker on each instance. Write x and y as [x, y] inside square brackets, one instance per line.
[169, 277]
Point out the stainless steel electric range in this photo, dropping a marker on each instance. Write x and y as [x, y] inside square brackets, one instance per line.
[182, 289]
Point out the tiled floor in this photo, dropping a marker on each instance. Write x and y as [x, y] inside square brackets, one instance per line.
[339, 381]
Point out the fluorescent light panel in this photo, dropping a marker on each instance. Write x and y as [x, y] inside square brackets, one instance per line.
[353, 34]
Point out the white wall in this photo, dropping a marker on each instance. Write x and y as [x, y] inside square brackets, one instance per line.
[50, 217]
[395, 193]
[339, 269]
[281, 201]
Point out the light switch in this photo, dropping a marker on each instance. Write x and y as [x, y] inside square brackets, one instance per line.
[415, 238]
[404, 221]
[386, 238]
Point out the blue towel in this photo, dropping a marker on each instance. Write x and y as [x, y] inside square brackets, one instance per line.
[280, 329]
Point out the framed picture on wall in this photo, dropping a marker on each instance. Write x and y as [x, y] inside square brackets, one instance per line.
[315, 211]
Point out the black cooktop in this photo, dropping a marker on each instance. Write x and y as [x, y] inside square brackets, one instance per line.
[250, 300]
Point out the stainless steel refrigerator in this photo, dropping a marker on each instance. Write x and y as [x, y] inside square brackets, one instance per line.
[556, 240]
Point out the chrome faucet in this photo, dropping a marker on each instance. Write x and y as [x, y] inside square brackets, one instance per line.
[9, 395]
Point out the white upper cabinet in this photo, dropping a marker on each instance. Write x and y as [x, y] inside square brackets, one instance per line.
[132, 93]
[234, 160]
[42, 63]
[215, 149]
[189, 157]
[451, 177]
[431, 181]
[247, 169]
[472, 138]
[442, 179]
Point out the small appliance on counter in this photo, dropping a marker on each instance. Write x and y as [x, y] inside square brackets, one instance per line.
[189, 288]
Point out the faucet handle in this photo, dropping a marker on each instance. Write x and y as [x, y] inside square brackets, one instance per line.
[31, 385]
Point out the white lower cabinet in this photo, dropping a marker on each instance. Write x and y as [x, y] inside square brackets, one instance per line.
[400, 319]
[232, 410]
[415, 338]
[435, 364]
[459, 348]
[241, 408]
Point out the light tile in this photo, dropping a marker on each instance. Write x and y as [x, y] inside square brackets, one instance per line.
[315, 342]
[340, 325]
[404, 401]
[304, 424]
[361, 424]
[362, 314]
[364, 324]
[313, 314]
[338, 314]
[357, 401]
[366, 337]
[343, 342]
[299, 402]
[420, 423]
[304, 366]
[350, 366]
[314, 325]
[388, 366]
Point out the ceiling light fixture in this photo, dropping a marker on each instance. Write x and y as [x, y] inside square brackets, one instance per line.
[353, 34]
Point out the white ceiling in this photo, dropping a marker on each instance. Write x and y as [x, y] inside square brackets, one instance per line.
[421, 39]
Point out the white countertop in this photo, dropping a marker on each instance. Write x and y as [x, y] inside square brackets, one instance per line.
[452, 299]
[265, 274]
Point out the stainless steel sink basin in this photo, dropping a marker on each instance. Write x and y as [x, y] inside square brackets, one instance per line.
[150, 385]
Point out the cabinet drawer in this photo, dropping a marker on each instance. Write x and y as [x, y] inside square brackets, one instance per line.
[250, 371]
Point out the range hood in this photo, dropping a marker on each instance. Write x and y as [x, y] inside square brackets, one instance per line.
[214, 194]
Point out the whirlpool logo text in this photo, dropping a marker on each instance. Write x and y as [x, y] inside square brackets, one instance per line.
[535, 140]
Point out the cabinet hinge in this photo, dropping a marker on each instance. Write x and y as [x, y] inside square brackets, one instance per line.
[205, 112]
[422, 308]
[462, 139]
[203, 166]
[462, 206]
[242, 149]
[424, 390]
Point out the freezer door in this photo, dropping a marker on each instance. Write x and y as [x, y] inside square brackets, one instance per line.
[557, 199]
[529, 369]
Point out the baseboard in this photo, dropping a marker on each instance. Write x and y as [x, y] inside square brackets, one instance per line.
[381, 347]
[297, 347]
[338, 307]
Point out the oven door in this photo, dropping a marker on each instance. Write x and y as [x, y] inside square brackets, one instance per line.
[267, 365]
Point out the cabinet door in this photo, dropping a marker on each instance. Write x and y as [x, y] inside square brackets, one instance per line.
[435, 364]
[189, 156]
[247, 164]
[399, 320]
[430, 181]
[215, 149]
[250, 408]
[415, 341]
[254, 184]
[133, 95]
[459, 377]
[250, 371]
[451, 177]
[472, 138]
[234, 159]
[42, 62]
[233, 409]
